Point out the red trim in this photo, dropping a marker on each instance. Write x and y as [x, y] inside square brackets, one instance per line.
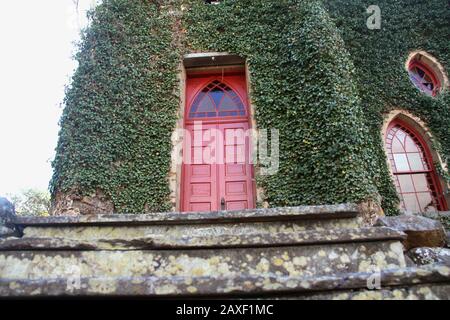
[441, 202]
[429, 72]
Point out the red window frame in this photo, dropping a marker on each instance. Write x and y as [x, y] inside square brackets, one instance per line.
[427, 70]
[226, 92]
[430, 172]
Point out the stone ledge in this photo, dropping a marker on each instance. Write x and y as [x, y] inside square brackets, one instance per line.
[208, 241]
[254, 215]
[210, 59]
[421, 231]
[220, 286]
[308, 260]
[178, 230]
[429, 291]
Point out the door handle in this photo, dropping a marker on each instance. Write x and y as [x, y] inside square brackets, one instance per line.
[222, 204]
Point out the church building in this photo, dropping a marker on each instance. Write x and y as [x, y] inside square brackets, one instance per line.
[267, 148]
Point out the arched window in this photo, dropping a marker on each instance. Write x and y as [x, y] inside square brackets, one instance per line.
[217, 100]
[423, 78]
[413, 169]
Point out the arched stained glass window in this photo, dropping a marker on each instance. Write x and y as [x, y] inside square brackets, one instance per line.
[423, 78]
[217, 100]
[413, 170]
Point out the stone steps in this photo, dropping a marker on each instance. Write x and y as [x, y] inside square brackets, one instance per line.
[431, 282]
[287, 255]
[175, 225]
[283, 251]
[221, 241]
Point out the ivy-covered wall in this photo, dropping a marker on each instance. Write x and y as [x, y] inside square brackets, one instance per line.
[120, 109]
[293, 50]
[317, 74]
[383, 83]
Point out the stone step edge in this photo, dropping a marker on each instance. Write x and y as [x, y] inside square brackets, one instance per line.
[222, 286]
[257, 240]
[219, 217]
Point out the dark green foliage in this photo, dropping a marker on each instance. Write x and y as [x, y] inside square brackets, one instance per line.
[302, 81]
[383, 84]
[324, 87]
[121, 108]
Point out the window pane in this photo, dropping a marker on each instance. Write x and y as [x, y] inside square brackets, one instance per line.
[397, 146]
[411, 203]
[410, 145]
[400, 135]
[420, 72]
[420, 182]
[415, 161]
[426, 202]
[401, 162]
[217, 95]
[228, 104]
[206, 105]
[406, 183]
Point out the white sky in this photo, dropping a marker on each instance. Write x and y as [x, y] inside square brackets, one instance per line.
[36, 47]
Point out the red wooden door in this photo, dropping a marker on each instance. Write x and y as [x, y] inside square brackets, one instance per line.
[217, 169]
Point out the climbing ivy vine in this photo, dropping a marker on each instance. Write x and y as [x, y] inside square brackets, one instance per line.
[293, 48]
[383, 83]
[317, 74]
[121, 108]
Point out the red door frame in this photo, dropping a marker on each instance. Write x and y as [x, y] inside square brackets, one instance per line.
[429, 158]
[191, 93]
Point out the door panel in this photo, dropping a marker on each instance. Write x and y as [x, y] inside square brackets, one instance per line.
[235, 173]
[199, 172]
[237, 205]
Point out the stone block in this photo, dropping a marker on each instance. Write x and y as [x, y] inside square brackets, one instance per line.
[424, 256]
[421, 231]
